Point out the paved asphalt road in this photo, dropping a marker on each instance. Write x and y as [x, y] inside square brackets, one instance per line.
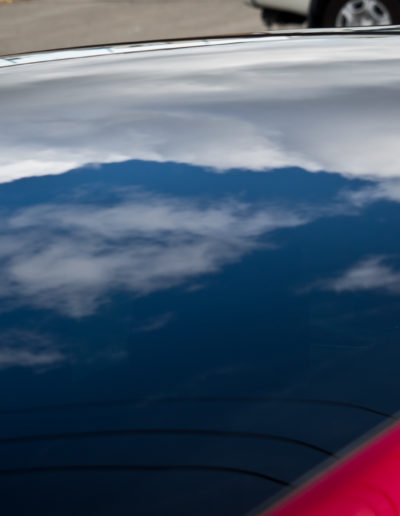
[29, 25]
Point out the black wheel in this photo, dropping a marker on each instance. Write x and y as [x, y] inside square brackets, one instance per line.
[361, 13]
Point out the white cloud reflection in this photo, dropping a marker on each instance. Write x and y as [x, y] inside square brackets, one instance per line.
[28, 349]
[70, 258]
[155, 323]
[369, 274]
[256, 105]
[11, 357]
[386, 190]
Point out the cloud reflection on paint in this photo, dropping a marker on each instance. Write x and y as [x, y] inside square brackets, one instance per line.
[372, 273]
[70, 258]
[385, 190]
[256, 106]
[20, 348]
[155, 323]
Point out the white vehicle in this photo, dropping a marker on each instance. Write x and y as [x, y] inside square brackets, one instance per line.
[330, 13]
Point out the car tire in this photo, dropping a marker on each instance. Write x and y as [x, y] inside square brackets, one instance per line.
[334, 7]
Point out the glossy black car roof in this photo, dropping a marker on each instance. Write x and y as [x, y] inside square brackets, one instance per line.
[199, 269]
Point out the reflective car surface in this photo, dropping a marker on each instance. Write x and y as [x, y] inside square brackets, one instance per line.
[199, 269]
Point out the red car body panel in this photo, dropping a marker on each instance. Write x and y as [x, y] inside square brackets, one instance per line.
[366, 483]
